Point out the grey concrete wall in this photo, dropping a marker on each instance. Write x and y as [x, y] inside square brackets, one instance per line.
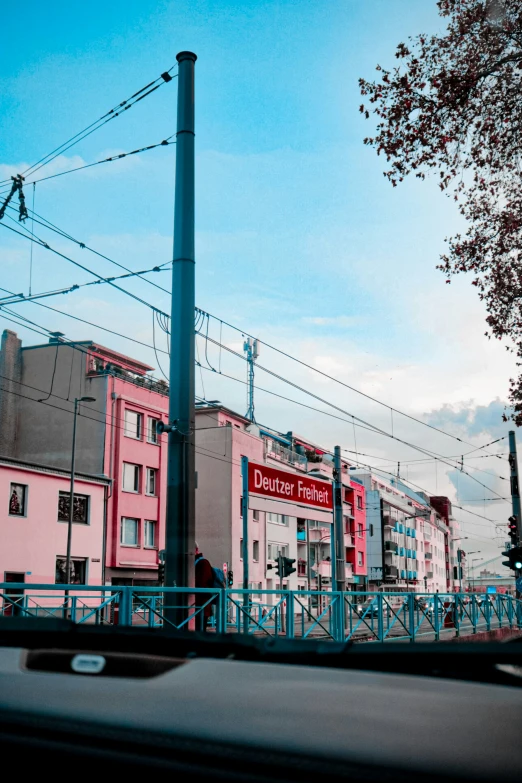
[214, 492]
[56, 375]
[10, 391]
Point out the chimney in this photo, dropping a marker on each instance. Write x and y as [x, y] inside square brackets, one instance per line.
[10, 388]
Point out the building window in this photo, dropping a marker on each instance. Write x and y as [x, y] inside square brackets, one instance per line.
[131, 477]
[255, 551]
[240, 548]
[150, 534]
[359, 502]
[80, 508]
[151, 481]
[360, 529]
[255, 515]
[277, 519]
[275, 550]
[360, 559]
[152, 430]
[240, 507]
[132, 424]
[78, 571]
[17, 500]
[129, 531]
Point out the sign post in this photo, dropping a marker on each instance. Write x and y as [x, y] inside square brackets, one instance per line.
[245, 469]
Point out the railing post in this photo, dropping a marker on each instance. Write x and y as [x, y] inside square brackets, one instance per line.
[474, 618]
[457, 612]
[436, 615]
[340, 616]
[411, 615]
[221, 611]
[380, 617]
[289, 615]
[74, 601]
[125, 606]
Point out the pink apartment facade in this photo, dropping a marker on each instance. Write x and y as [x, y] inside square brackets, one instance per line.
[34, 509]
[117, 439]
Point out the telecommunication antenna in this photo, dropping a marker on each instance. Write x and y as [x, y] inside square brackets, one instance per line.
[251, 348]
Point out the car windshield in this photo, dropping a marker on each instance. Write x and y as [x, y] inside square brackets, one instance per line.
[261, 321]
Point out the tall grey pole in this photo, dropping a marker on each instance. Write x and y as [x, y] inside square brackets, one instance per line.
[71, 499]
[340, 558]
[180, 519]
[515, 492]
[245, 552]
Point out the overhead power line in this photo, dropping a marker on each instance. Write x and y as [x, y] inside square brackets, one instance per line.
[116, 111]
[164, 143]
[310, 367]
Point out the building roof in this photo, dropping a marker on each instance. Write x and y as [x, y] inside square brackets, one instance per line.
[134, 365]
[37, 467]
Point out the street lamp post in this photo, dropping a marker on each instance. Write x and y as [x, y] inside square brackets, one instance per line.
[473, 561]
[71, 491]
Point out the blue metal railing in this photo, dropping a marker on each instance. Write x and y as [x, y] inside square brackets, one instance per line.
[294, 614]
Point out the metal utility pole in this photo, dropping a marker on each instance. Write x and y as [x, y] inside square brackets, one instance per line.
[340, 558]
[515, 494]
[180, 519]
[251, 348]
[71, 490]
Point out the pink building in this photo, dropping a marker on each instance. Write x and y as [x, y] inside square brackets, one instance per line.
[117, 439]
[34, 511]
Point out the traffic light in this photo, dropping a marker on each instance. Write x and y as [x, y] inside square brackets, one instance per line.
[230, 578]
[512, 526]
[280, 566]
[514, 558]
[288, 566]
[161, 573]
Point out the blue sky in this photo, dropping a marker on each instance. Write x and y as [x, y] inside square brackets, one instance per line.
[300, 239]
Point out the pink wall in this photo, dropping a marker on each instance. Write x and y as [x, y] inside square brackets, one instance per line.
[31, 543]
[120, 448]
[359, 541]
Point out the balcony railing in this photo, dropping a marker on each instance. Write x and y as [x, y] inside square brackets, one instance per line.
[318, 533]
[281, 453]
[151, 384]
[428, 555]
[324, 568]
[391, 546]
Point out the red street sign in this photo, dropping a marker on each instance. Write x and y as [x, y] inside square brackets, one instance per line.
[291, 487]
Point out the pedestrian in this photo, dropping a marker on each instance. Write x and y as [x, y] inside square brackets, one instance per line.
[204, 577]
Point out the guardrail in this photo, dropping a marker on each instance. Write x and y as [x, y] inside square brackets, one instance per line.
[293, 614]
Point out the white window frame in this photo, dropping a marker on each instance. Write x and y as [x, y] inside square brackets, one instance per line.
[122, 528]
[280, 549]
[147, 526]
[152, 432]
[128, 428]
[136, 479]
[152, 473]
[280, 519]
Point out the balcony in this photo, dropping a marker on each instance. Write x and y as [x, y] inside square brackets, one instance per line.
[324, 568]
[429, 574]
[391, 572]
[281, 453]
[301, 536]
[348, 540]
[348, 510]
[301, 567]
[391, 546]
[348, 571]
[318, 533]
[387, 521]
[428, 555]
